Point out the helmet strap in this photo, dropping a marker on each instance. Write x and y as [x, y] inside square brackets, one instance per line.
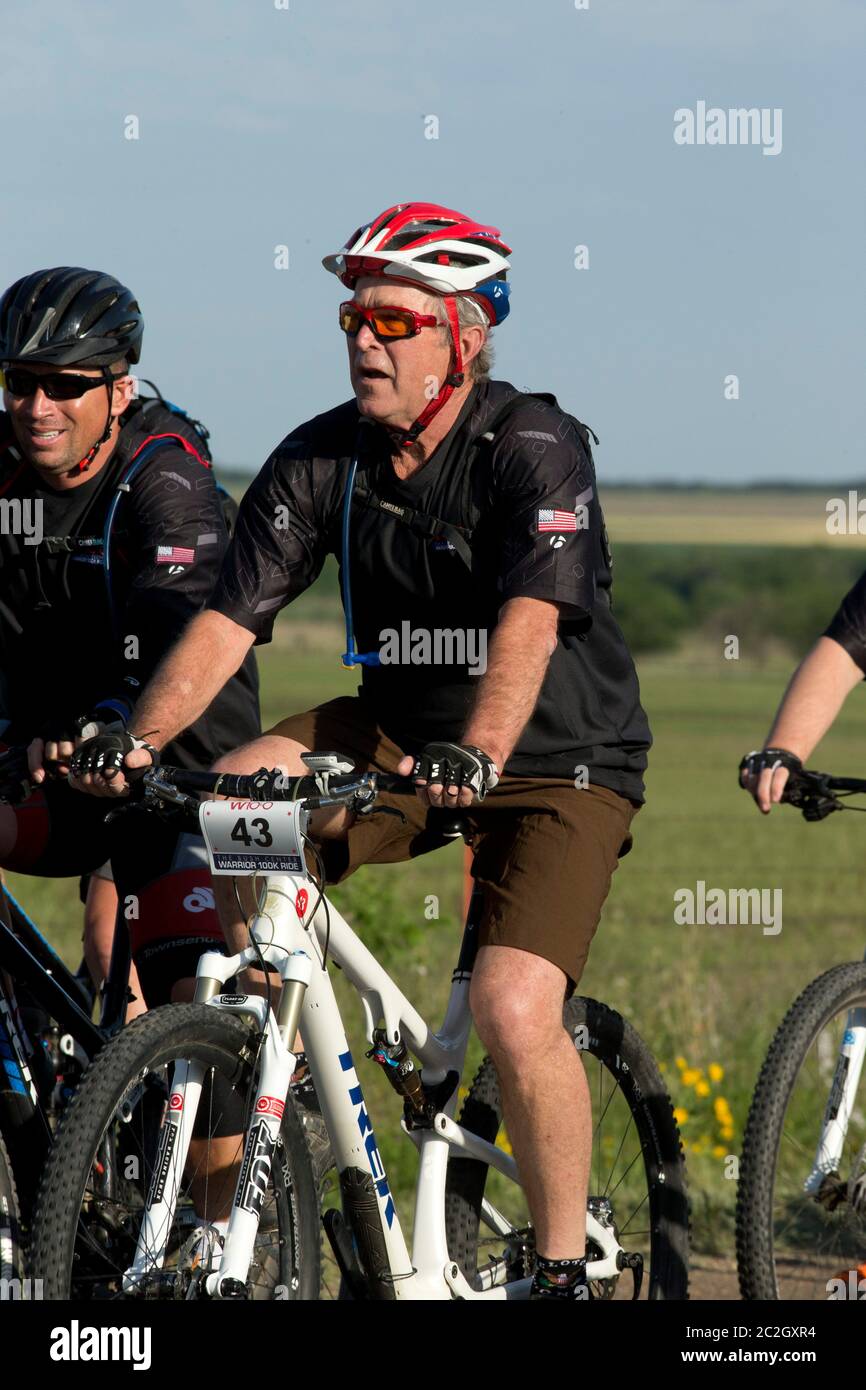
[454, 378]
[85, 463]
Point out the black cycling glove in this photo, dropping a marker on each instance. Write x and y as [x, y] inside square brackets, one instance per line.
[54, 734]
[105, 754]
[755, 762]
[456, 764]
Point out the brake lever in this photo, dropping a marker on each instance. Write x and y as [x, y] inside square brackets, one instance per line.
[812, 798]
[818, 807]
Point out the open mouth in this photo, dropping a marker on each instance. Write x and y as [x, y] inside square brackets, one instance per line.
[372, 374]
[43, 436]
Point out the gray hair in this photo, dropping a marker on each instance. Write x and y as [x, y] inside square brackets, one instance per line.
[469, 314]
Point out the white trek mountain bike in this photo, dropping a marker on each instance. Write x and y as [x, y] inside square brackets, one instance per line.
[801, 1197]
[187, 1119]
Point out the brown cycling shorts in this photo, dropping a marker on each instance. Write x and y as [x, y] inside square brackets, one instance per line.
[544, 851]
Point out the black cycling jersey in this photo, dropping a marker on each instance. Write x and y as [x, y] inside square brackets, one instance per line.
[527, 503]
[848, 625]
[63, 646]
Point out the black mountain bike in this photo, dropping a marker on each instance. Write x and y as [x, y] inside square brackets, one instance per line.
[47, 1038]
[801, 1204]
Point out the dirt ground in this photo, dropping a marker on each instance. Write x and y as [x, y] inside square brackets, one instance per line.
[712, 1277]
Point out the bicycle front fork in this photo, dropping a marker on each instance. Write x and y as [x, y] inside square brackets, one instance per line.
[840, 1103]
[275, 1073]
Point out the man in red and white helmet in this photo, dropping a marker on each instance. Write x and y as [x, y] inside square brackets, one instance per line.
[476, 587]
[440, 253]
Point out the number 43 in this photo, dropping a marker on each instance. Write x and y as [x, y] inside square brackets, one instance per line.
[264, 838]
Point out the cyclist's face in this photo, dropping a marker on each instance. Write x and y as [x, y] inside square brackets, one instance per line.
[55, 435]
[394, 380]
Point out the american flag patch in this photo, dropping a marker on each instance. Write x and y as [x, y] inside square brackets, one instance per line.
[549, 520]
[174, 555]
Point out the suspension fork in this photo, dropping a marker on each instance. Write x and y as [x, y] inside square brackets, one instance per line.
[170, 1162]
[840, 1102]
[277, 1066]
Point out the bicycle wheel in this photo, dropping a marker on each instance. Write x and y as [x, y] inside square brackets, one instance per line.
[97, 1178]
[792, 1243]
[11, 1253]
[637, 1175]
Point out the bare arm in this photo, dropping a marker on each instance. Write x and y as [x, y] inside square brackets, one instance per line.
[815, 694]
[522, 645]
[188, 678]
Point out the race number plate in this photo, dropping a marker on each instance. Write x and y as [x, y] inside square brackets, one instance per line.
[252, 837]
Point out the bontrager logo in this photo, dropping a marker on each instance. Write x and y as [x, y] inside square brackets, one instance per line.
[77, 1343]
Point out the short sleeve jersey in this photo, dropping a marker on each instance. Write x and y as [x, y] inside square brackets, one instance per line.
[848, 624]
[63, 647]
[526, 501]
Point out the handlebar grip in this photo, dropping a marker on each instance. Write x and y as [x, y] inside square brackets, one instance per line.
[399, 786]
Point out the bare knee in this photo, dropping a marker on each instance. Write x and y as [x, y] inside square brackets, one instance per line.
[285, 754]
[516, 1001]
[270, 751]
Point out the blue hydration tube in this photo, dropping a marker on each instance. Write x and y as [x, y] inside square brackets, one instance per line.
[351, 657]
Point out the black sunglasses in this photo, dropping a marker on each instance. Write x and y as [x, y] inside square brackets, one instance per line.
[57, 386]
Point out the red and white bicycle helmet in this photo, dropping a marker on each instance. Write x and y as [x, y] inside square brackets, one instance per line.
[440, 250]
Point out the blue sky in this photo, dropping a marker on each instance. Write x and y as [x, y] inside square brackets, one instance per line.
[261, 126]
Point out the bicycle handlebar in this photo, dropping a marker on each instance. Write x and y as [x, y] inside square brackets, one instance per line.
[174, 787]
[814, 793]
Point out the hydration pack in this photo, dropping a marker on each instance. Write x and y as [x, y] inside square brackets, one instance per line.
[187, 433]
[433, 528]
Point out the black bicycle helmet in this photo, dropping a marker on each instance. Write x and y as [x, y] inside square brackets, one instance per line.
[70, 317]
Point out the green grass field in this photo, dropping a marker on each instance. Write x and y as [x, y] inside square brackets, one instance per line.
[727, 516]
[706, 998]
